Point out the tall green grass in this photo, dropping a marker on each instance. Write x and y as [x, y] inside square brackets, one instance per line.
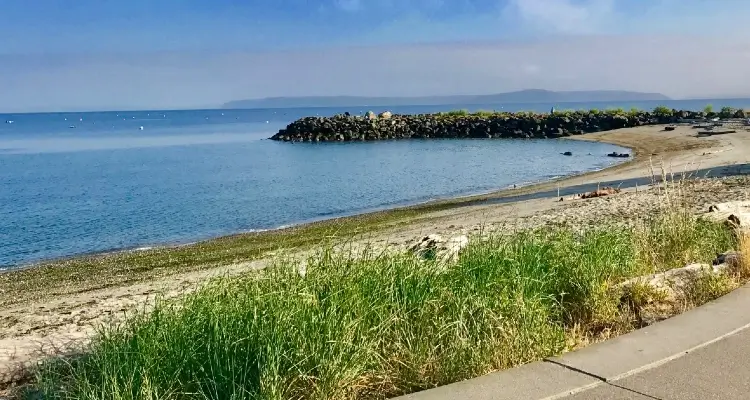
[377, 326]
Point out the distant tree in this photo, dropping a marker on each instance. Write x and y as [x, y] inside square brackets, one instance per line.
[454, 113]
[726, 112]
[485, 113]
[662, 111]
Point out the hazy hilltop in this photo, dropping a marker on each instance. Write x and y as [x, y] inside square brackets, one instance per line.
[522, 96]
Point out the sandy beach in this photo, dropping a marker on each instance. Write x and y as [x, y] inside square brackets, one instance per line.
[35, 324]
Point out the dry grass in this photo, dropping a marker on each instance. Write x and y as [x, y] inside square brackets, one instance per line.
[744, 250]
[707, 287]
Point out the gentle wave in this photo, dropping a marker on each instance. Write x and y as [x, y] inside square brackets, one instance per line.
[67, 145]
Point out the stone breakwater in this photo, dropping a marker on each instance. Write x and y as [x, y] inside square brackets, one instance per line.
[387, 126]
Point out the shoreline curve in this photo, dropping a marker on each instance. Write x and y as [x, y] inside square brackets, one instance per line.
[521, 188]
[649, 144]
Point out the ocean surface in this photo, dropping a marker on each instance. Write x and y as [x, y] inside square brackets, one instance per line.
[75, 183]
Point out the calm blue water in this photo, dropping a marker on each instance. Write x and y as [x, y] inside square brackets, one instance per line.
[189, 175]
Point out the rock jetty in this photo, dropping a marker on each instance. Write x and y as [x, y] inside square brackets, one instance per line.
[459, 125]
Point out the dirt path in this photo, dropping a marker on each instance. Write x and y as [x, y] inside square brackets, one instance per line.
[29, 331]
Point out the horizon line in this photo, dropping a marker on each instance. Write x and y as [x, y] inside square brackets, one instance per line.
[220, 107]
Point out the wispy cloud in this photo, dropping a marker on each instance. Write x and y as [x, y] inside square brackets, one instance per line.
[661, 64]
[564, 16]
[349, 5]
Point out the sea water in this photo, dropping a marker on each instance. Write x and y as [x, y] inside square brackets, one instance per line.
[73, 183]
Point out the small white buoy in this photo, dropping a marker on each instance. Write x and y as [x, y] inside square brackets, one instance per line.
[266, 121]
[141, 128]
[80, 119]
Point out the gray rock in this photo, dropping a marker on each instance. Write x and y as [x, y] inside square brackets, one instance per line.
[734, 213]
[673, 283]
[435, 247]
[501, 125]
[732, 259]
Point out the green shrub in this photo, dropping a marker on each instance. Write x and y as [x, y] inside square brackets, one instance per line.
[634, 111]
[726, 112]
[485, 113]
[663, 111]
[614, 111]
[455, 113]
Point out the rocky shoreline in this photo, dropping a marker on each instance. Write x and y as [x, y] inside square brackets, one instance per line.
[480, 125]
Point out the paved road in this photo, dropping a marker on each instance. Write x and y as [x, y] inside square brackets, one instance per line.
[718, 371]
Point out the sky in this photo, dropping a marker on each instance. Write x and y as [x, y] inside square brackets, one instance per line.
[58, 55]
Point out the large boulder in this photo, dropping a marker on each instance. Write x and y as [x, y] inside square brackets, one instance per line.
[652, 296]
[735, 213]
[675, 282]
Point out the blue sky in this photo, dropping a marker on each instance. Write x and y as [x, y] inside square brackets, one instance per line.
[64, 54]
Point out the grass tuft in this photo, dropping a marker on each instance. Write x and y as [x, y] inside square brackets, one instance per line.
[675, 239]
[707, 287]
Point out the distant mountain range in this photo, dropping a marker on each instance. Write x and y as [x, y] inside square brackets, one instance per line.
[522, 96]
